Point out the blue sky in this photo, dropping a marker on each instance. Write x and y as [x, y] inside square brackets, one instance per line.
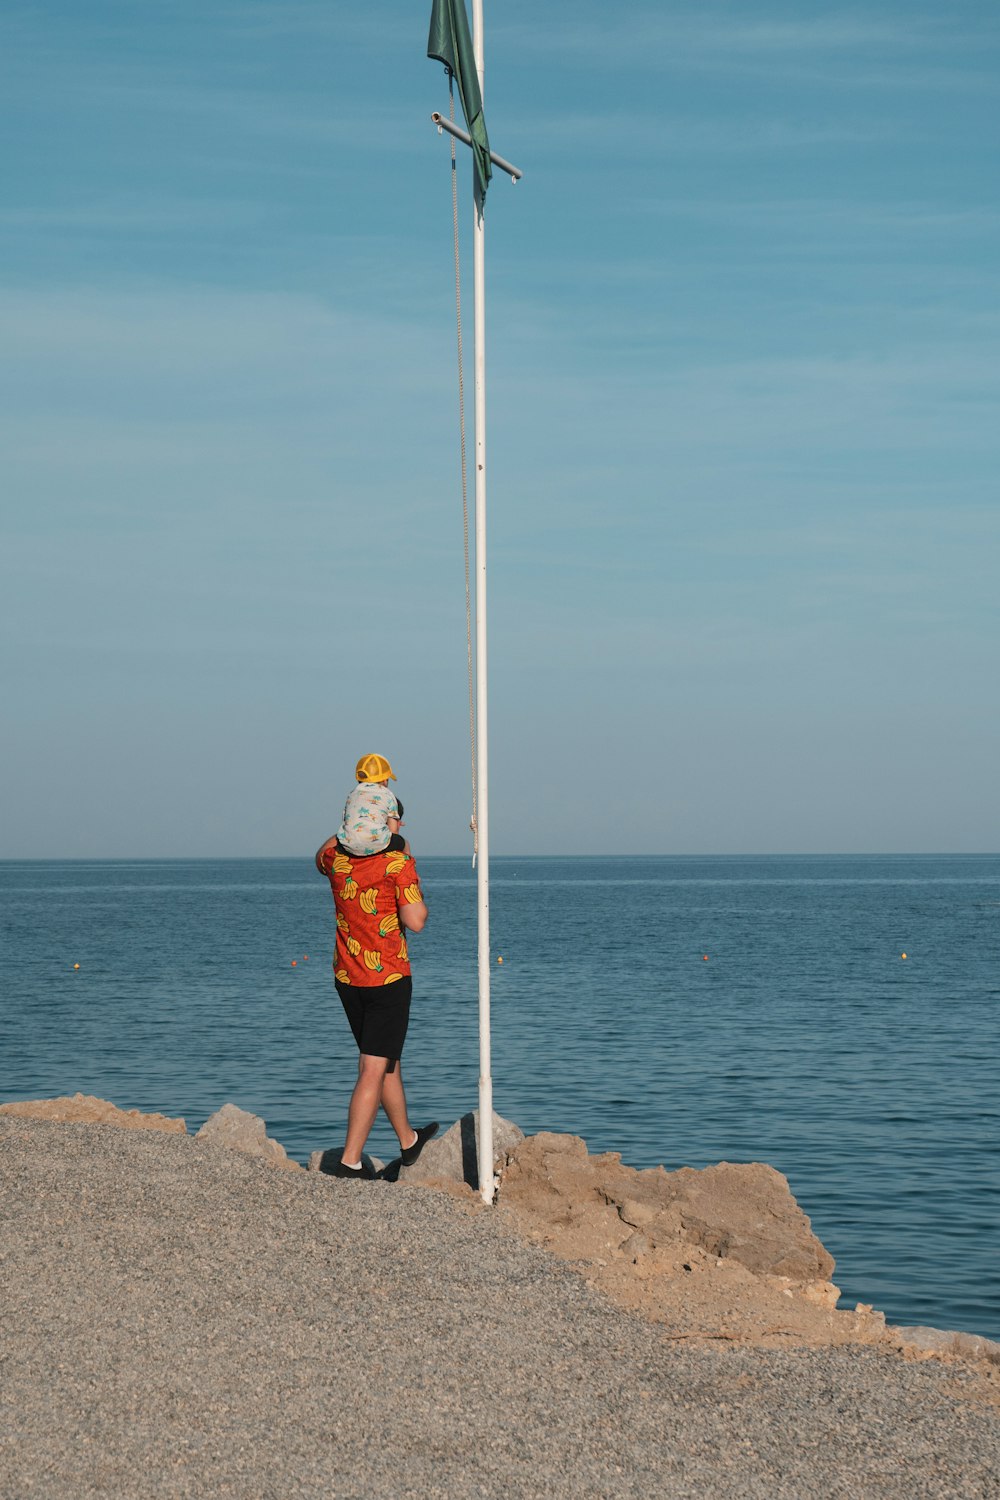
[743, 375]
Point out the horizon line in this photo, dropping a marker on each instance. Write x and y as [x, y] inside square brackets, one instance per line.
[152, 859]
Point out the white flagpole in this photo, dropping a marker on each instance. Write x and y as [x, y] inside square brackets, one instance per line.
[482, 745]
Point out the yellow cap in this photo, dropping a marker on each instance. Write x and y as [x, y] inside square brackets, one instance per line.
[374, 768]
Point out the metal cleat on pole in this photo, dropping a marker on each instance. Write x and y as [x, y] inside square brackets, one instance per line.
[463, 135]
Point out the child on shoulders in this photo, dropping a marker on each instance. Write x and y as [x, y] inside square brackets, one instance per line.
[372, 814]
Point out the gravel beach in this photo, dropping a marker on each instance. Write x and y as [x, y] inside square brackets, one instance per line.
[179, 1320]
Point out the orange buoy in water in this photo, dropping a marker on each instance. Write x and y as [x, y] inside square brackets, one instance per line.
[902, 955]
[704, 958]
[499, 959]
[76, 966]
[305, 958]
[294, 963]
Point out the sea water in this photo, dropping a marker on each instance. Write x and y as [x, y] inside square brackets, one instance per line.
[678, 1010]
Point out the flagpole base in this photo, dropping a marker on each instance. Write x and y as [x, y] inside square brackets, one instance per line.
[487, 1178]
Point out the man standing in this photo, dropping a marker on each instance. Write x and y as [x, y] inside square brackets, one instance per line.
[378, 901]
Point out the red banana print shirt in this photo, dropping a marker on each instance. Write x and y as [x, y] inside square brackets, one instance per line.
[368, 892]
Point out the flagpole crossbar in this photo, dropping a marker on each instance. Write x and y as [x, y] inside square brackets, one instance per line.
[463, 135]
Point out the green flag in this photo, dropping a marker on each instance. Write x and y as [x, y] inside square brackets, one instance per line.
[450, 42]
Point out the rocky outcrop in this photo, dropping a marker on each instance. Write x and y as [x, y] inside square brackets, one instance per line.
[453, 1157]
[740, 1213]
[85, 1109]
[238, 1130]
[928, 1343]
[721, 1253]
[744, 1213]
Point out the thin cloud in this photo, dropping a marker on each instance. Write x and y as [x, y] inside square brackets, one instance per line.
[603, 134]
[663, 39]
[116, 216]
[902, 216]
[159, 93]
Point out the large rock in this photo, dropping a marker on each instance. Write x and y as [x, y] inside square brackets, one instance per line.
[724, 1253]
[239, 1130]
[741, 1213]
[85, 1109]
[747, 1212]
[925, 1342]
[454, 1156]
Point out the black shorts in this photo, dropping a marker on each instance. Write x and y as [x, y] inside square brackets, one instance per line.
[379, 1015]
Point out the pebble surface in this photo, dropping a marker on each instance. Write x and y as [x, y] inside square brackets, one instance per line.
[179, 1320]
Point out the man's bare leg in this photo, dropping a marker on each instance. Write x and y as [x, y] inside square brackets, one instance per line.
[364, 1106]
[394, 1104]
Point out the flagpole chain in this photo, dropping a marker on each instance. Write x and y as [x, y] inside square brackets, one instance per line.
[465, 476]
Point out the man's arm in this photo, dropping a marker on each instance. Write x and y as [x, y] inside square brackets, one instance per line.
[413, 915]
[323, 849]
